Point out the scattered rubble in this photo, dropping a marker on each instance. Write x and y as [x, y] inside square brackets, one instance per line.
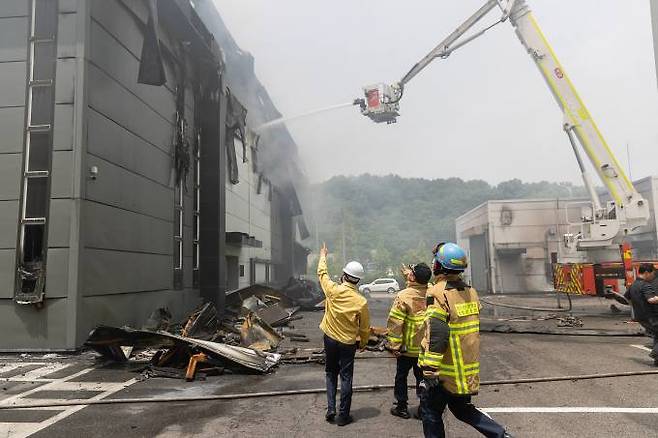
[246, 339]
[175, 350]
[202, 323]
[377, 340]
[305, 293]
[160, 319]
[257, 334]
[570, 321]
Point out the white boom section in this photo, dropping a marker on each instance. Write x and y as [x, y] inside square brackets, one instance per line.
[444, 48]
[606, 225]
[630, 210]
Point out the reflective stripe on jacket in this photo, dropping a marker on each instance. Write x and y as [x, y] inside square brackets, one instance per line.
[406, 320]
[435, 339]
[457, 365]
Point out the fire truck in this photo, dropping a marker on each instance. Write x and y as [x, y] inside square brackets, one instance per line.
[602, 226]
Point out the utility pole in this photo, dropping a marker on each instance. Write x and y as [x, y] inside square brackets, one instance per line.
[343, 237]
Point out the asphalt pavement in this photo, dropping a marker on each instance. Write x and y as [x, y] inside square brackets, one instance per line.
[621, 407]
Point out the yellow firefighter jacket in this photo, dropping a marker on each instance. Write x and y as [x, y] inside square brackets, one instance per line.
[345, 311]
[406, 320]
[455, 358]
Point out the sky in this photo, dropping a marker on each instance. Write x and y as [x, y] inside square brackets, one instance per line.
[483, 113]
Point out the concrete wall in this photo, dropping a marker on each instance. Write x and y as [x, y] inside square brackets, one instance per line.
[248, 212]
[471, 232]
[278, 158]
[111, 244]
[47, 327]
[110, 256]
[128, 210]
[519, 235]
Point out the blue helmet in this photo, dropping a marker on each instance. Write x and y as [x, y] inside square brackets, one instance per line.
[451, 256]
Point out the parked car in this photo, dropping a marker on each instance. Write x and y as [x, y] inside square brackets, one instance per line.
[389, 285]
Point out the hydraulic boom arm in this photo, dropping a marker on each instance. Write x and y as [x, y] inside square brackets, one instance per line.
[607, 224]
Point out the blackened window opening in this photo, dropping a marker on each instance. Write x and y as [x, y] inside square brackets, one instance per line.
[182, 164]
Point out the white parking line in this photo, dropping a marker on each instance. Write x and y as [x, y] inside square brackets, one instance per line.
[39, 373]
[109, 390]
[641, 347]
[5, 368]
[25, 429]
[47, 386]
[570, 410]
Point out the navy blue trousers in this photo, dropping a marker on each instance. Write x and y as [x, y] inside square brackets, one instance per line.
[433, 402]
[339, 361]
[404, 365]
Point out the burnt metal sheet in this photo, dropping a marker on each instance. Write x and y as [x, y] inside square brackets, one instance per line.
[202, 321]
[235, 298]
[257, 334]
[151, 67]
[105, 340]
[276, 314]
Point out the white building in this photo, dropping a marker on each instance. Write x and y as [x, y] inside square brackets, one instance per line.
[512, 244]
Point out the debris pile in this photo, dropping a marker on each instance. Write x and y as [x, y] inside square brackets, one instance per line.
[244, 340]
[377, 340]
[305, 293]
[570, 321]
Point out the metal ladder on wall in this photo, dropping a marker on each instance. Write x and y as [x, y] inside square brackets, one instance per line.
[37, 157]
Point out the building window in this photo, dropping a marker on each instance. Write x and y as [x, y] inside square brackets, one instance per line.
[197, 209]
[37, 153]
[241, 271]
[178, 235]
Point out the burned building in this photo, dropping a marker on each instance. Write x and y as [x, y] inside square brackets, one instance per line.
[133, 176]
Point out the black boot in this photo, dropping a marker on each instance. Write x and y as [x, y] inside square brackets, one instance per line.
[344, 420]
[330, 416]
[401, 411]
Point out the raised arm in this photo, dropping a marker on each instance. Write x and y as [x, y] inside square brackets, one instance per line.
[326, 284]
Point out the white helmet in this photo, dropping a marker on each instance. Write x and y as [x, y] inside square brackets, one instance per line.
[354, 269]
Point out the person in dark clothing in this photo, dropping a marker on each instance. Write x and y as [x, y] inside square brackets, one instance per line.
[644, 299]
[339, 362]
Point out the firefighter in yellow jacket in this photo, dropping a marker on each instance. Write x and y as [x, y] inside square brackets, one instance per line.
[405, 332]
[450, 356]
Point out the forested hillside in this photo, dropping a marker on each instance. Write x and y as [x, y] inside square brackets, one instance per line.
[388, 219]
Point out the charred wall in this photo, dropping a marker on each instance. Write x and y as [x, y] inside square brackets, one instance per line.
[278, 161]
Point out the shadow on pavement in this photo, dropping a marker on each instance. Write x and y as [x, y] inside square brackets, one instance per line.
[365, 413]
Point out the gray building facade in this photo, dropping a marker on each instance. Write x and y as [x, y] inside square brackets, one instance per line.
[119, 121]
[512, 244]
